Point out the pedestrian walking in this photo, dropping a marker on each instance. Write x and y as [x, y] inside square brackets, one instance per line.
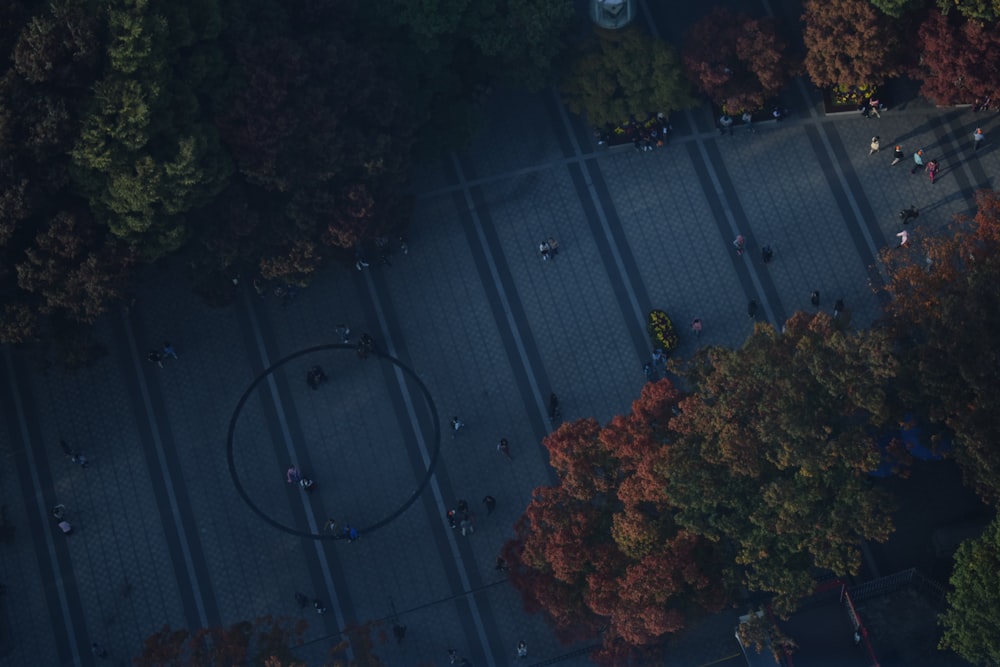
[739, 243]
[67, 450]
[79, 459]
[466, 525]
[456, 425]
[99, 651]
[319, 606]
[908, 214]
[918, 161]
[555, 412]
[169, 351]
[155, 358]
[359, 259]
[766, 254]
[453, 657]
[301, 599]
[504, 448]
[838, 308]
[978, 138]
[747, 119]
[897, 156]
[522, 649]
[545, 250]
[463, 506]
[874, 146]
[696, 327]
[293, 475]
[752, 308]
[351, 533]
[726, 123]
[330, 525]
[659, 357]
[501, 565]
[553, 247]
[904, 238]
[874, 106]
[814, 299]
[932, 170]
[491, 504]
[648, 370]
[344, 332]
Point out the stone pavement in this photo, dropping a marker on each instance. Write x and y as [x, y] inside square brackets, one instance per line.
[481, 328]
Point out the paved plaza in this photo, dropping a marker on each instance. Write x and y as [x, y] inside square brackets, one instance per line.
[183, 516]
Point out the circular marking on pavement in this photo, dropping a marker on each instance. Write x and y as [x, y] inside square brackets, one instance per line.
[230, 436]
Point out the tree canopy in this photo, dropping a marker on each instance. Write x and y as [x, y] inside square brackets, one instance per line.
[738, 61]
[973, 615]
[603, 547]
[624, 73]
[848, 43]
[945, 309]
[953, 68]
[773, 450]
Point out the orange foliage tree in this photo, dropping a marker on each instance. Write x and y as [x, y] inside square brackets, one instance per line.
[602, 549]
[264, 641]
[849, 43]
[944, 308]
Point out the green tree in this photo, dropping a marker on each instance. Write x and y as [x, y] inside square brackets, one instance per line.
[146, 156]
[625, 72]
[773, 449]
[973, 616]
[944, 309]
[848, 43]
[897, 8]
[983, 11]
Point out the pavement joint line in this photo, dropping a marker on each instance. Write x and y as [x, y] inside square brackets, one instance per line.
[734, 228]
[29, 452]
[161, 458]
[290, 448]
[498, 284]
[602, 216]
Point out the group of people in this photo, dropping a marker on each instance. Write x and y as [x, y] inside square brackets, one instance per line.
[644, 135]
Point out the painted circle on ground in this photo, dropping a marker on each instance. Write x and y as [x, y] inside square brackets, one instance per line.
[230, 441]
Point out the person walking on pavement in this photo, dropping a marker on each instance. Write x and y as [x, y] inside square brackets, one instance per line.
[344, 332]
[814, 299]
[908, 214]
[301, 599]
[918, 161]
[319, 606]
[747, 119]
[522, 649]
[978, 138]
[838, 308]
[696, 327]
[766, 254]
[155, 358]
[491, 504]
[169, 351]
[739, 243]
[456, 425]
[904, 238]
[874, 146]
[330, 525]
[897, 156]
[874, 106]
[932, 169]
[554, 411]
[504, 448]
[752, 308]
[99, 651]
[501, 565]
[659, 357]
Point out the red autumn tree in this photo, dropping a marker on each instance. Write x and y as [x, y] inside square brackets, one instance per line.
[954, 69]
[264, 641]
[737, 61]
[602, 548]
[944, 308]
[849, 43]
